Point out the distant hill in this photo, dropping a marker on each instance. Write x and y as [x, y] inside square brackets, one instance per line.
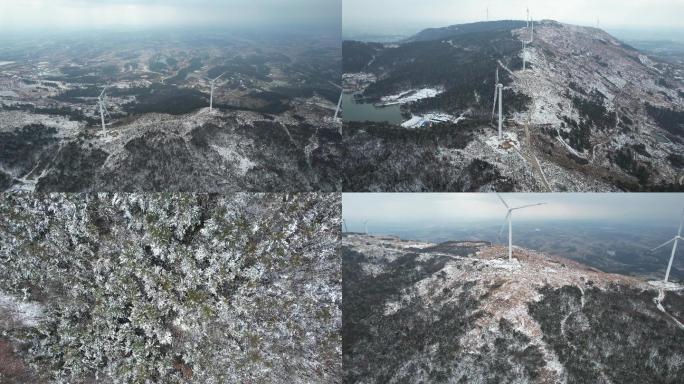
[596, 113]
[463, 29]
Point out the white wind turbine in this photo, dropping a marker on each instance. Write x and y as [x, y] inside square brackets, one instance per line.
[498, 90]
[211, 95]
[674, 242]
[532, 31]
[102, 103]
[344, 225]
[530, 23]
[365, 226]
[509, 219]
[496, 81]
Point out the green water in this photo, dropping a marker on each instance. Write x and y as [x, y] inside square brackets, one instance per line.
[353, 111]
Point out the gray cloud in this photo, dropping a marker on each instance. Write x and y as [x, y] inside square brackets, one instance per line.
[140, 13]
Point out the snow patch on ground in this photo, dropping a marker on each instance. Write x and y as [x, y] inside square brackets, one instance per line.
[669, 286]
[25, 313]
[243, 164]
[417, 121]
[11, 120]
[503, 264]
[417, 245]
[508, 143]
[410, 96]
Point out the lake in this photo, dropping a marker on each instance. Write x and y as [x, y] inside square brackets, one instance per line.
[353, 111]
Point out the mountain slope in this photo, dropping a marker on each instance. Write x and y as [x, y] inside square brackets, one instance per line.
[463, 29]
[589, 114]
[459, 312]
[215, 152]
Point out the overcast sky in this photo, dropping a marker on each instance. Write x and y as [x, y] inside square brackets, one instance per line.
[469, 207]
[79, 14]
[386, 15]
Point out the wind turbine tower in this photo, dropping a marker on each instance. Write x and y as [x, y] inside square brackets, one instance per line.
[674, 241]
[509, 219]
[339, 104]
[496, 81]
[499, 88]
[365, 226]
[532, 31]
[211, 95]
[530, 28]
[102, 103]
[498, 94]
[487, 19]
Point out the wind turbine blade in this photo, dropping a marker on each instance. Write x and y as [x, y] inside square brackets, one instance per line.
[664, 244]
[502, 200]
[527, 206]
[679, 232]
[221, 75]
[103, 92]
[503, 226]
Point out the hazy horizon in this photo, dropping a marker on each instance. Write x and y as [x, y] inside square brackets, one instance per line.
[406, 209]
[36, 16]
[405, 18]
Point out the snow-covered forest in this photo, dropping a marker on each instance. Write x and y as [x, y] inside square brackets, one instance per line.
[173, 288]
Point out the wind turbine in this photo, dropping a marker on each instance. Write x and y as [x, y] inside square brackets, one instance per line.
[498, 87]
[344, 225]
[532, 31]
[496, 81]
[102, 103]
[487, 14]
[365, 225]
[674, 241]
[211, 96]
[509, 219]
[530, 27]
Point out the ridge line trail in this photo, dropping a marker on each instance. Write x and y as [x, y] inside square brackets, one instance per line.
[536, 165]
[658, 301]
